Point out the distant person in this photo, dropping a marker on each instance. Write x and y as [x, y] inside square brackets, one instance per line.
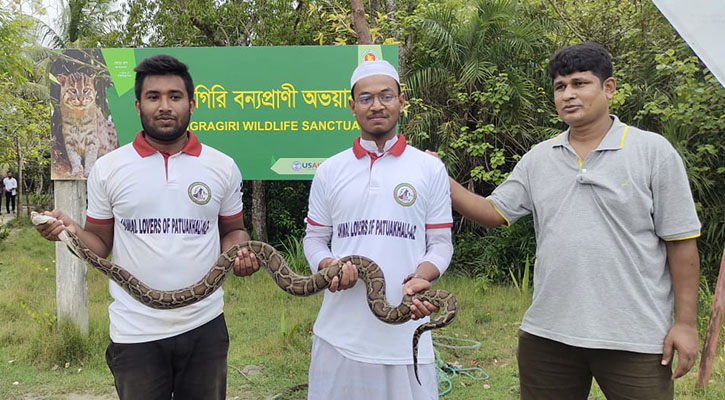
[10, 187]
[2, 195]
[617, 267]
[179, 353]
[390, 202]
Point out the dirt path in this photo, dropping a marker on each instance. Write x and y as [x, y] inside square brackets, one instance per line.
[5, 217]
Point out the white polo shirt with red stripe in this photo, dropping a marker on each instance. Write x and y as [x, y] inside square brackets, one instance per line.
[165, 210]
[379, 206]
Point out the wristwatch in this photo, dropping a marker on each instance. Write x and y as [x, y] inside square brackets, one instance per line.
[413, 275]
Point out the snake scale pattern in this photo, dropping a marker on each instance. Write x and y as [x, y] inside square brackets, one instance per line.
[298, 285]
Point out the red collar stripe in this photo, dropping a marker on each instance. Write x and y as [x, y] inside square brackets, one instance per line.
[396, 150]
[398, 147]
[144, 148]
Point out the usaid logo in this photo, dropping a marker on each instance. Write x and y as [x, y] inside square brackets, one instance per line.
[298, 165]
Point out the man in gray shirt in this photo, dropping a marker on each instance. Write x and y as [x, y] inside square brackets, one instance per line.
[617, 266]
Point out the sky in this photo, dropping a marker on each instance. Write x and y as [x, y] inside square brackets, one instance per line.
[52, 11]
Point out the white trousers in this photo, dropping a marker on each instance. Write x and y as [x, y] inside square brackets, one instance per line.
[334, 377]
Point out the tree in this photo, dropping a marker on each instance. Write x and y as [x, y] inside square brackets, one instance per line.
[82, 24]
[473, 87]
[25, 135]
[23, 108]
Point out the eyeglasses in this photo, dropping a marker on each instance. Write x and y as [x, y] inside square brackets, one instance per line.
[367, 99]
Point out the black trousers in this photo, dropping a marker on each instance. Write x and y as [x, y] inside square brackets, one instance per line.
[192, 365]
[9, 198]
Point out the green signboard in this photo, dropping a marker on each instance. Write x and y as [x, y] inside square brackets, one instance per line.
[278, 111]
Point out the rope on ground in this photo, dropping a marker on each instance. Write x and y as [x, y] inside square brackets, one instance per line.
[446, 372]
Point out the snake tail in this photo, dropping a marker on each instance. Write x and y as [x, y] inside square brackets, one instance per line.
[448, 305]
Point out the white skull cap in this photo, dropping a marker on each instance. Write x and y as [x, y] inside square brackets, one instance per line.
[370, 68]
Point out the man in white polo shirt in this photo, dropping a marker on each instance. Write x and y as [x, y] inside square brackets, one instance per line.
[388, 201]
[616, 254]
[166, 205]
[10, 185]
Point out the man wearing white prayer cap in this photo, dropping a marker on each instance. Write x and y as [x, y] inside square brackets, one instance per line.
[390, 202]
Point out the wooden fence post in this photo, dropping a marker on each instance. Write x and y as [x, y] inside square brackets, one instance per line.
[709, 349]
[71, 282]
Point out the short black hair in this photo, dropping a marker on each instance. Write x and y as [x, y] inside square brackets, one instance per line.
[582, 57]
[162, 64]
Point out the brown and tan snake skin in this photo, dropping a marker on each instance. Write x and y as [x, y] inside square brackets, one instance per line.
[292, 283]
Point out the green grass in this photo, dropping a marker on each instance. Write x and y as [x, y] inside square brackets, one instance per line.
[267, 328]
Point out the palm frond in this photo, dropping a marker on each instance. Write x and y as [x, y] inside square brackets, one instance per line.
[424, 82]
[475, 71]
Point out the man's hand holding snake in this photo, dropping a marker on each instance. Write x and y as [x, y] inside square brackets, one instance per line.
[245, 263]
[349, 275]
[51, 229]
[419, 309]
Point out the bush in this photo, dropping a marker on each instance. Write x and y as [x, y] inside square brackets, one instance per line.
[495, 253]
[4, 233]
[40, 201]
[294, 256]
[286, 209]
[21, 222]
[63, 344]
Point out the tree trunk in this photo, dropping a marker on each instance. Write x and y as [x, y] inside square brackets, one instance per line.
[259, 210]
[19, 197]
[403, 55]
[360, 23]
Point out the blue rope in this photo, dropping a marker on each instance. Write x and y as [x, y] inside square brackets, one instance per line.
[446, 372]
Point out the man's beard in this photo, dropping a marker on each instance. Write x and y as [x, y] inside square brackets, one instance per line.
[379, 131]
[176, 133]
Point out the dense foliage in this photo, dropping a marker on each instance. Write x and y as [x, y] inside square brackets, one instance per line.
[24, 124]
[479, 95]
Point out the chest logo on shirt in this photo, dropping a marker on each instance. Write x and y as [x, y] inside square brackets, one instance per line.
[405, 194]
[199, 193]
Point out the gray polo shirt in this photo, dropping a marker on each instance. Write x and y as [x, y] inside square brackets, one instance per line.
[601, 278]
